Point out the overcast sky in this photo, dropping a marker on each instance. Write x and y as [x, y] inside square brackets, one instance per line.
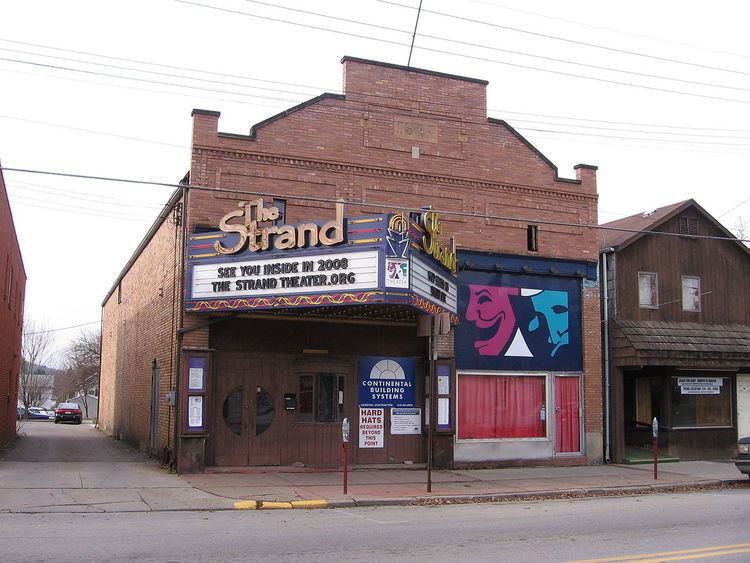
[656, 94]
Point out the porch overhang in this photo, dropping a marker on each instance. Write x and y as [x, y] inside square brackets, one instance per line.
[688, 345]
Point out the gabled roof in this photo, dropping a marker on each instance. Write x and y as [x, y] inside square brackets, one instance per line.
[624, 232]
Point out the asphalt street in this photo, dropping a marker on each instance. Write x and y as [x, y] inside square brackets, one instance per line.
[705, 526]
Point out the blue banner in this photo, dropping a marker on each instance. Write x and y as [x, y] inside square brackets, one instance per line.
[518, 322]
[386, 381]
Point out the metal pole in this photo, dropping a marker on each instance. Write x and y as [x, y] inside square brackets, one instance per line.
[431, 419]
[345, 448]
[655, 432]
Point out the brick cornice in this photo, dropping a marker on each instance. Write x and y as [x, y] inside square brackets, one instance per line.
[364, 170]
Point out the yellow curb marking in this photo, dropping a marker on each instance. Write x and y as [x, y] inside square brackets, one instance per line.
[271, 504]
[677, 555]
[246, 505]
[309, 504]
[260, 504]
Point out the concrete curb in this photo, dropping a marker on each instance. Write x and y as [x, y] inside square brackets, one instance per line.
[281, 505]
[494, 497]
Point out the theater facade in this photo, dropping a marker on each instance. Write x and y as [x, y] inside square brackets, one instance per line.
[391, 256]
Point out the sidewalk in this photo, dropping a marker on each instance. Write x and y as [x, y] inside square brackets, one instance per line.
[50, 472]
[400, 486]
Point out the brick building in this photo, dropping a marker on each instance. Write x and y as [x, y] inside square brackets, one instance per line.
[11, 316]
[218, 347]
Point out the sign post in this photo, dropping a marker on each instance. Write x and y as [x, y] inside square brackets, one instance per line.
[433, 409]
[655, 434]
[345, 447]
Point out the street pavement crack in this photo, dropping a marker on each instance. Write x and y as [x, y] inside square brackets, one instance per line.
[143, 500]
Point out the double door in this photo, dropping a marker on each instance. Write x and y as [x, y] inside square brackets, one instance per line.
[248, 414]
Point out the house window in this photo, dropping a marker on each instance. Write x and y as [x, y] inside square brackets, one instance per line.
[691, 294]
[648, 290]
[688, 226]
[532, 238]
[321, 398]
[502, 406]
[701, 402]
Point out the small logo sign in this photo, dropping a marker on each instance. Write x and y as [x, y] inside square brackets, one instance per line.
[386, 381]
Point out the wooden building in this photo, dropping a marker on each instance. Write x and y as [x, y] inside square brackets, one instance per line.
[678, 327]
[13, 277]
[284, 288]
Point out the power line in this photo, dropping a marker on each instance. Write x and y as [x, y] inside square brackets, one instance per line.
[94, 132]
[672, 141]
[640, 124]
[680, 134]
[220, 82]
[61, 328]
[146, 80]
[497, 49]
[609, 29]
[140, 89]
[67, 194]
[154, 64]
[572, 41]
[151, 72]
[472, 215]
[472, 57]
[74, 210]
[740, 204]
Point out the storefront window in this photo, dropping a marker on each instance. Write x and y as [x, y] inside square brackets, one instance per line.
[701, 402]
[321, 398]
[501, 407]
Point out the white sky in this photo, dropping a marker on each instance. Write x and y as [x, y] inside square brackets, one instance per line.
[652, 147]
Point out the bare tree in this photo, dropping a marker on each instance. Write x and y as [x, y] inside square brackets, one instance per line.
[35, 383]
[742, 230]
[81, 375]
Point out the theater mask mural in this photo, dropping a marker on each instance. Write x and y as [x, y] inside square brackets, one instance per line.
[518, 322]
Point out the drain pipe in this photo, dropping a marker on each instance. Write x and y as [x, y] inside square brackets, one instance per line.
[607, 382]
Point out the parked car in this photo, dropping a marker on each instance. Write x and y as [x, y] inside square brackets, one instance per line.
[742, 461]
[68, 412]
[38, 413]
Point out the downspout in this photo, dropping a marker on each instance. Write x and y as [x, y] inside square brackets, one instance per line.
[179, 332]
[607, 379]
[99, 375]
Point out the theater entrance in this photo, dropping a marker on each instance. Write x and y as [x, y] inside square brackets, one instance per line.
[247, 428]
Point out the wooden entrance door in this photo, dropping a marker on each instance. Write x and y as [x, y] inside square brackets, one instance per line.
[247, 403]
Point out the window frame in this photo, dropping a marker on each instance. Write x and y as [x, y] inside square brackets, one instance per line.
[697, 296]
[547, 404]
[339, 397]
[656, 284]
[728, 396]
[688, 224]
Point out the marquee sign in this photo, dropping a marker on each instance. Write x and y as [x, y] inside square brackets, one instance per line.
[252, 264]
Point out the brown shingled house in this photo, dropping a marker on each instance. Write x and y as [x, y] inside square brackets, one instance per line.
[677, 329]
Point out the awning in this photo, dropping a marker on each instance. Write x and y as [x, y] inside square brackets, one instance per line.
[682, 344]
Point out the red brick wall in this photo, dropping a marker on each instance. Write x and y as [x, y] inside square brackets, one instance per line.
[360, 148]
[140, 321]
[12, 293]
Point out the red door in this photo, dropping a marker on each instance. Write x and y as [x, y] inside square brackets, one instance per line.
[567, 415]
